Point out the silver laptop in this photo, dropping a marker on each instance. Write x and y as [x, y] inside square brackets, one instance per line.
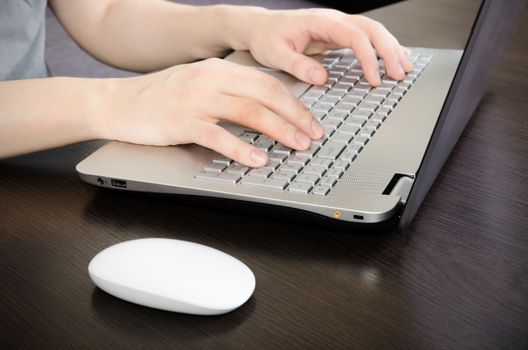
[381, 152]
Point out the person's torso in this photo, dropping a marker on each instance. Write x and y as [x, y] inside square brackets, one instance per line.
[22, 38]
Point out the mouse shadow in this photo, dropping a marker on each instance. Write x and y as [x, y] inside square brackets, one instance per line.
[148, 324]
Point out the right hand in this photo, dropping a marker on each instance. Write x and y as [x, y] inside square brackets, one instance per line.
[184, 103]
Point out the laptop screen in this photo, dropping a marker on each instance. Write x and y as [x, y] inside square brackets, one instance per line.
[487, 40]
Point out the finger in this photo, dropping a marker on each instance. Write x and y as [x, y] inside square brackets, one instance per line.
[271, 93]
[220, 140]
[347, 35]
[387, 48]
[404, 60]
[250, 113]
[300, 65]
[393, 66]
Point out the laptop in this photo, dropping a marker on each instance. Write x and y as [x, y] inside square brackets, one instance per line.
[382, 150]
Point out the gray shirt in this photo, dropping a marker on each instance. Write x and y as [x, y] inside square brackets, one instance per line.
[22, 36]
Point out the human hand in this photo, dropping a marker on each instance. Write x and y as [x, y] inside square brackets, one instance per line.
[184, 103]
[283, 39]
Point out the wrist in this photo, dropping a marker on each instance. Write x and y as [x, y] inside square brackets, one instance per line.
[99, 111]
[236, 24]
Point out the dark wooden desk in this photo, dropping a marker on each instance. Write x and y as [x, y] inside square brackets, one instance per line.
[457, 279]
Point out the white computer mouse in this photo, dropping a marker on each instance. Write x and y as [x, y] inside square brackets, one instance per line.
[173, 275]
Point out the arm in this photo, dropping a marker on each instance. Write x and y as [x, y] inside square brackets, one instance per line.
[147, 35]
[167, 107]
[163, 108]
[45, 113]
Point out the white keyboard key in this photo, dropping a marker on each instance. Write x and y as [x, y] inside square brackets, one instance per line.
[329, 100]
[362, 113]
[331, 150]
[341, 164]
[222, 160]
[291, 167]
[334, 172]
[307, 178]
[379, 91]
[300, 159]
[318, 161]
[342, 137]
[348, 155]
[327, 181]
[278, 157]
[379, 117]
[248, 137]
[237, 169]
[328, 130]
[214, 167]
[355, 148]
[260, 172]
[373, 124]
[283, 175]
[355, 121]
[318, 114]
[318, 170]
[263, 143]
[277, 184]
[323, 106]
[312, 94]
[361, 140]
[280, 148]
[336, 93]
[337, 114]
[272, 164]
[331, 122]
[349, 129]
[308, 153]
[319, 142]
[206, 175]
[227, 177]
[357, 93]
[341, 87]
[321, 190]
[261, 182]
[349, 101]
[308, 102]
[366, 132]
[348, 80]
[319, 89]
[300, 187]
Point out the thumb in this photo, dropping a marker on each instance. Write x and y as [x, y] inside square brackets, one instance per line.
[300, 66]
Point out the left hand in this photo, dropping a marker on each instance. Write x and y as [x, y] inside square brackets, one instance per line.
[283, 39]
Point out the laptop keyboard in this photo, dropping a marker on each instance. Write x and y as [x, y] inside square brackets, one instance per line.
[350, 111]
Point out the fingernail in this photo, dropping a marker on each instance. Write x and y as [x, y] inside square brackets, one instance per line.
[317, 128]
[316, 76]
[302, 139]
[258, 157]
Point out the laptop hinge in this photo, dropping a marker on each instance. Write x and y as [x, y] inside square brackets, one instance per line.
[400, 186]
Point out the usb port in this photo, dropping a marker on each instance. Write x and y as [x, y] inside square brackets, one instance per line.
[119, 183]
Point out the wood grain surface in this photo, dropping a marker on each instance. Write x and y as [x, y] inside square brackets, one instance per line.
[456, 279]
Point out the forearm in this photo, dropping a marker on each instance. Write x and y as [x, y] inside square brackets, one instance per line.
[150, 35]
[46, 113]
